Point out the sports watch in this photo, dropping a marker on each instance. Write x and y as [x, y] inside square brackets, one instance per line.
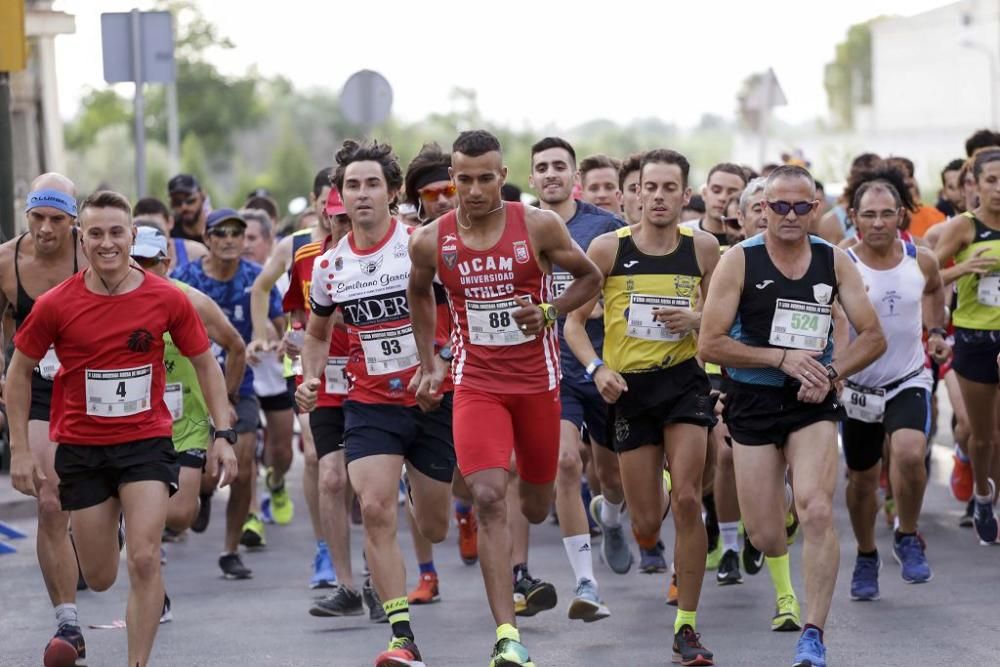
[592, 368]
[227, 434]
[831, 373]
[550, 313]
[446, 354]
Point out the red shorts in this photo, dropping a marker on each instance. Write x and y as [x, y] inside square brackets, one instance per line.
[488, 427]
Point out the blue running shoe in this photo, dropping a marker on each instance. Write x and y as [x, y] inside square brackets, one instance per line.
[985, 520]
[651, 561]
[324, 575]
[908, 551]
[864, 582]
[810, 651]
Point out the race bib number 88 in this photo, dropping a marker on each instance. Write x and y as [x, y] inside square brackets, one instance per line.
[119, 393]
[492, 323]
[800, 325]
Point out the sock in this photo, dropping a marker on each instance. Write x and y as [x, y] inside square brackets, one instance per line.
[462, 507]
[611, 513]
[578, 553]
[730, 535]
[959, 455]
[868, 554]
[684, 618]
[810, 626]
[271, 486]
[427, 568]
[983, 500]
[398, 612]
[508, 631]
[520, 571]
[648, 542]
[66, 615]
[781, 575]
[711, 521]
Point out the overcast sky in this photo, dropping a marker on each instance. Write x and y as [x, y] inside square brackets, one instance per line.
[532, 63]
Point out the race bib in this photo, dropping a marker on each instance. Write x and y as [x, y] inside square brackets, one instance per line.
[560, 281]
[389, 350]
[492, 323]
[297, 365]
[173, 396]
[989, 290]
[119, 393]
[800, 325]
[865, 404]
[336, 375]
[48, 365]
[643, 324]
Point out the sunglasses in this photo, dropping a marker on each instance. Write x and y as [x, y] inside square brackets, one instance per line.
[231, 232]
[147, 262]
[185, 201]
[783, 207]
[429, 195]
[731, 222]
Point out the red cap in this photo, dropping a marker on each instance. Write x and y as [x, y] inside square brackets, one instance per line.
[334, 204]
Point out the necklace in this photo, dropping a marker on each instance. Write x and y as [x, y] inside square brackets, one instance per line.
[111, 290]
[458, 218]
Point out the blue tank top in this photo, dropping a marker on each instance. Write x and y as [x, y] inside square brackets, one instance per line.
[181, 253]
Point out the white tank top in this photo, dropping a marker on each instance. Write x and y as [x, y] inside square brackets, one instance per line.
[896, 294]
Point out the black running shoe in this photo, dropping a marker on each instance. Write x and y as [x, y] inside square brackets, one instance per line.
[166, 615]
[753, 558]
[233, 567]
[533, 595]
[688, 649]
[729, 570]
[376, 613]
[966, 521]
[66, 648]
[204, 513]
[341, 602]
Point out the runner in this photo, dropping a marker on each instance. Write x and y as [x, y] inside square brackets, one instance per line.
[494, 259]
[655, 275]
[951, 202]
[582, 405]
[773, 335]
[921, 216]
[628, 183]
[190, 207]
[226, 278]
[181, 251]
[599, 180]
[109, 389]
[34, 262]
[835, 226]
[725, 181]
[364, 277]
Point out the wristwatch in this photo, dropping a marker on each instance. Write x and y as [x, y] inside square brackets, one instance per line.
[550, 313]
[227, 434]
[592, 368]
[446, 354]
[831, 373]
[940, 331]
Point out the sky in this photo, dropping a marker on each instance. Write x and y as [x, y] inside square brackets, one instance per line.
[533, 64]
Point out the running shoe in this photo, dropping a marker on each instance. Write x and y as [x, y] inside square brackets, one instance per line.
[587, 497]
[864, 581]
[468, 537]
[426, 591]
[966, 520]
[614, 545]
[961, 479]
[984, 519]
[170, 536]
[533, 595]
[714, 556]
[587, 605]
[672, 593]
[402, 652]
[233, 567]
[163, 555]
[729, 570]
[166, 615]
[668, 486]
[282, 508]
[204, 513]
[786, 615]
[909, 553]
[652, 561]
[510, 653]
[323, 575]
[65, 648]
[253, 533]
[791, 527]
[688, 649]
[376, 614]
[341, 602]
[753, 558]
[810, 651]
[889, 509]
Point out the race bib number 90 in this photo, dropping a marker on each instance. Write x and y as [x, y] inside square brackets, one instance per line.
[119, 393]
[389, 350]
[863, 403]
[492, 323]
[642, 323]
[800, 325]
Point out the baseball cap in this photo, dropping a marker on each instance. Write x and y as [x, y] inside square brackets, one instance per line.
[149, 243]
[185, 183]
[334, 203]
[221, 215]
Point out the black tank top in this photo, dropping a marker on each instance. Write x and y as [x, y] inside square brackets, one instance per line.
[24, 303]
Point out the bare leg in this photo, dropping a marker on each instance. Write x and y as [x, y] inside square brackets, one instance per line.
[52, 544]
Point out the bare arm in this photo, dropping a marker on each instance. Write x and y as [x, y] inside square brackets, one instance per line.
[195, 250]
[552, 241]
[315, 351]
[213, 388]
[829, 228]
[955, 235]
[223, 333]
[22, 467]
[870, 343]
[933, 302]
[276, 264]
[420, 293]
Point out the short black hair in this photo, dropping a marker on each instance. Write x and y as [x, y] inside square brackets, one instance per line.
[429, 159]
[865, 162]
[151, 206]
[954, 165]
[728, 168]
[599, 161]
[475, 143]
[265, 204]
[510, 192]
[905, 164]
[696, 203]
[632, 163]
[984, 138]
[323, 178]
[983, 158]
[887, 175]
[552, 142]
[370, 151]
[667, 156]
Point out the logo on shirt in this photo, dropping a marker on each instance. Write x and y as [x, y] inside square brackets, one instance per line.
[684, 285]
[890, 298]
[399, 250]
[449, 238]
[140, 340]
[822, 293]
[629, 264]
[396, 386]
[985, 234]
[521, 252]
[764, 283]
[449, 254]
[338, 264]
[370, 265]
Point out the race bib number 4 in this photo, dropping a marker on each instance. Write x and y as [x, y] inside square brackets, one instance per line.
[643, 324]
[800, 325]
[389, 350]
[989, 290]
[492, 323]
[336, 375]
[173, 396]
[864, 404]
[119, 393]
[48, 365]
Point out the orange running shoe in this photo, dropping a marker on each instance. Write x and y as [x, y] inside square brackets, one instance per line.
[426, 591]
[961, 480]
[468, 540]
[672, 590]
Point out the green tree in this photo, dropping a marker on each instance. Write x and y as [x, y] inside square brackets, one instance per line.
[292, 170]
[848, 79]
[98, 109]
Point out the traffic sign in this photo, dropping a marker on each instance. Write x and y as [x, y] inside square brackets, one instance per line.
[366, 99]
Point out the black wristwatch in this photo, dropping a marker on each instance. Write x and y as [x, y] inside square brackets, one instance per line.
[227, 434]
[446, 354]
[940, 331]
[831, 373]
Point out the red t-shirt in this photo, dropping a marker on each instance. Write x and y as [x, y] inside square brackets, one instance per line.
[109, 388]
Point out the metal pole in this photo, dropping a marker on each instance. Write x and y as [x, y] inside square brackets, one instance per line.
[6, 162]
[140, 106]
[173, 129]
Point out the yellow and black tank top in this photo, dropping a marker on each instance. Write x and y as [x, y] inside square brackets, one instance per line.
[639, 283]
[979, 296]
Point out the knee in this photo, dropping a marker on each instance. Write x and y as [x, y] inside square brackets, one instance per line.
[377, 512]
[909, 456]
[143, 562]
[489, 502]
[686, 502]
[570, 466]
[50, 512]
[332, 481]
[534, 511]
[104, 578]
[434, 528]
[863, 482]
[646, 523]
[815, 513]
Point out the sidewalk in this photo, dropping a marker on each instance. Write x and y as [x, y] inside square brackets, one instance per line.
[14, 505]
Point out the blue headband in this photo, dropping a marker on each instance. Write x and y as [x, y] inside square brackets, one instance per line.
[60, 200]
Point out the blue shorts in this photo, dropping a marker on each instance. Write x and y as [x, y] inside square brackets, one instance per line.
[583, 406]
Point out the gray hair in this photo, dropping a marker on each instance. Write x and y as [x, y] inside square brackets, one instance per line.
[753, 188]
[259, 216]
[790, 171]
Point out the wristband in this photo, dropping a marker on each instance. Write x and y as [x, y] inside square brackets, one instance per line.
[592, 368]
[940, 331]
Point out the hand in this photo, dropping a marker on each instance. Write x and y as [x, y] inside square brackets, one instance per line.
[610, 384]
[529, 317]
[23, 472]
[814, 394]
[679, 321]
[258, 347]
[978, 264]
[221, 455]
[289, 345]
[938, 348]
[803, 366]
[428, 388]
[306, 395]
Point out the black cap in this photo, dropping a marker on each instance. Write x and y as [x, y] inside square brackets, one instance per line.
[185, 183]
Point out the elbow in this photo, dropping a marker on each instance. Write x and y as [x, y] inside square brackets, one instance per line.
[880, 344]
[707, 350]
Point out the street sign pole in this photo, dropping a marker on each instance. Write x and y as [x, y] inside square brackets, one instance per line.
[140, 106]
[6, 162]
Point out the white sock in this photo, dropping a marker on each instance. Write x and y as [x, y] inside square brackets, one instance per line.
[730, 531]
[611, 514]
[578, 553]
[66, 615]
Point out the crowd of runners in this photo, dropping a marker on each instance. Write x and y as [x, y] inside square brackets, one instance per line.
[621, 352]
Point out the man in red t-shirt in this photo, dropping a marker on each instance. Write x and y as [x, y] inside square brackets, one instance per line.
[108, 389]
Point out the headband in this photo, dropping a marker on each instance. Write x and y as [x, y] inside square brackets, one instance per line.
[431, 176]
[60, 200]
